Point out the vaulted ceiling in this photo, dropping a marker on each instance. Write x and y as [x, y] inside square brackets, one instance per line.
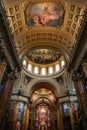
[63, 36]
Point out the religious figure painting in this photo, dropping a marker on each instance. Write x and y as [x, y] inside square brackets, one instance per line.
[44, 14]
[44, 56]
[43, 116]
[26, 79]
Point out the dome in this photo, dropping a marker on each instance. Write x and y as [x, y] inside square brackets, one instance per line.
[44, 62]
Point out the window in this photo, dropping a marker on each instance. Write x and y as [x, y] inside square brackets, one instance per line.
[57, 67]
[50, 70]
[24, 62]
[36, 70]
[29, 67]
[62, 63]
[43, 71]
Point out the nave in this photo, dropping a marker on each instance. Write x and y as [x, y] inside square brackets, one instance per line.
[43, 64]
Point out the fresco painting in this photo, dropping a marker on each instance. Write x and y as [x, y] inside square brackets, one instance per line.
[44, 14]
[26, 79]
[44, 56]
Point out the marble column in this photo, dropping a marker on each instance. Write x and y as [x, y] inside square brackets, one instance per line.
[60, 117]
[24, 118]
[74, 116]
[27, 118]
[81, 95]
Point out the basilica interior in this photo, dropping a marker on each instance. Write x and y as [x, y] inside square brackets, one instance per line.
[43, 64]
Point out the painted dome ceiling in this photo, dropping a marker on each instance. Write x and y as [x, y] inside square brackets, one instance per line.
[44, 56]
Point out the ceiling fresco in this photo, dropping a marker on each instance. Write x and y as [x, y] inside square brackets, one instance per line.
[44, 56]
[44, 14]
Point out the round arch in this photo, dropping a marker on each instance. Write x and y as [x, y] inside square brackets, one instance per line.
[55, 86]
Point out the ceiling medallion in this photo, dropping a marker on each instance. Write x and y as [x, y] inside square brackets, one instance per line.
[44, 14]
